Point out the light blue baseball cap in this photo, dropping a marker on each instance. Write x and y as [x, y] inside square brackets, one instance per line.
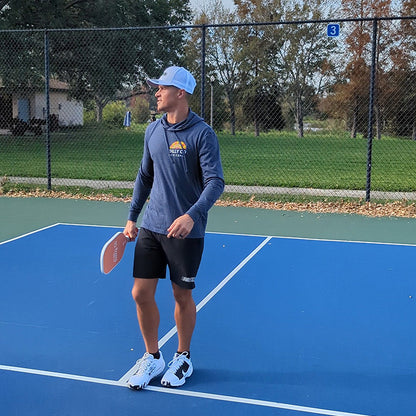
[175, 76]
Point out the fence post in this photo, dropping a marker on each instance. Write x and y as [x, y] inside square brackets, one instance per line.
[371, 111]
[203, 52]
[47, 111]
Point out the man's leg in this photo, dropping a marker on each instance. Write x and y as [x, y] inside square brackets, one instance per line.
[185, 316]
[152, 363]
[143, 293]
[180, 368]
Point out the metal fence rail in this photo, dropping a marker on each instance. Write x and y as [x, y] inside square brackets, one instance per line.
[314, 108]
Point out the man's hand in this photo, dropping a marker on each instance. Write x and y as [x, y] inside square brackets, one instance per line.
[181, 227]
[131, 230]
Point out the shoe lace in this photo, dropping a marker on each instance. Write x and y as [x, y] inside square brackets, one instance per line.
[177, 361]
[145, 364]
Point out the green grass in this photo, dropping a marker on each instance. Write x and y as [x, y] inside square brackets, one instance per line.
[286, 160]
[109, 154]
[331, 161]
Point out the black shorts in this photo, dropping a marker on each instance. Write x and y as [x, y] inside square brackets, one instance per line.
[155, 251]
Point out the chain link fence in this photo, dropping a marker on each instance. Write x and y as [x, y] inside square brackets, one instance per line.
[303, 110]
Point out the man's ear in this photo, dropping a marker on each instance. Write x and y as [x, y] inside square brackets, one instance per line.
[181, 93]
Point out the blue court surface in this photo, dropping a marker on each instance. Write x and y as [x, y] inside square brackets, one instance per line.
[285, 327]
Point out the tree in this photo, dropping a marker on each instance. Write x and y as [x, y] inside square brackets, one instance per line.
[232, 53]
[101, 64]
[348, 98]
[359, 49]
[97, 64]
[252, 44]
[401, 93]
[220, 54]
[58, 14]
[264, 110]
[290, 58]
[140, 110]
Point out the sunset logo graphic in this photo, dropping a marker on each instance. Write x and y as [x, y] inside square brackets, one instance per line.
[177, 149]
[178, 145]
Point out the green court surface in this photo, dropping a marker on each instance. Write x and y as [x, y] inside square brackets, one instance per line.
[22, 215]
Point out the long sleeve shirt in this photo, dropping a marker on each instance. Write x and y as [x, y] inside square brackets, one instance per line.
[181, 171]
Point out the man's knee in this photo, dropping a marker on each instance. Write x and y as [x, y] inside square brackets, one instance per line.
[181, 295]
[143, 291]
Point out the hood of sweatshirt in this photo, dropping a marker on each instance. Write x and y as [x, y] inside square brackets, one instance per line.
[191, 120]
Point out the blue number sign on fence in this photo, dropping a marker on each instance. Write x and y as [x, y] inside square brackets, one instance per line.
[332, 30]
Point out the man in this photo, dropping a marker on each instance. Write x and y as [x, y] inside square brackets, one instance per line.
[181, 171]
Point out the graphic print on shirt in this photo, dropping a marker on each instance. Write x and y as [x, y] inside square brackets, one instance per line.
[177, 149]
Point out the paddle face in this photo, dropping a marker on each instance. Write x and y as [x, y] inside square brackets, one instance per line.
[112, 252]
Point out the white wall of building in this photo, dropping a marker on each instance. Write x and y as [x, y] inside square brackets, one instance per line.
[69, 112]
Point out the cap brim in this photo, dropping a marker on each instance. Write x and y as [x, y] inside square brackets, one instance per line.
[154, 83]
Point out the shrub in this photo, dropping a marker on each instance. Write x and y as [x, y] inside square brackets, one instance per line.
[140, 111]
[114, 113]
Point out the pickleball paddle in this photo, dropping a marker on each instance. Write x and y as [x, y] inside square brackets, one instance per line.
[112, 252]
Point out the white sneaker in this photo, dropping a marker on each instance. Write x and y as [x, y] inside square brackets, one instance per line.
[180, 368]
[149, 368]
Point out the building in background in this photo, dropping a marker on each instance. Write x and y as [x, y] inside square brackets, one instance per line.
[28, 105]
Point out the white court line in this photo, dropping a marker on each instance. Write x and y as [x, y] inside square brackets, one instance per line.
[27, 234]
[283, 237]
[187, 393]
[203, 302]
[91, 225]
[327, 240]
[61, 375]
[56, 225]
[231, 275]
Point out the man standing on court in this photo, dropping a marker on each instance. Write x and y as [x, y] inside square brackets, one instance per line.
[181, 171]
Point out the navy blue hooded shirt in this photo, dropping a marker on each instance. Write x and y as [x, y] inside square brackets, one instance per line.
[181, 170]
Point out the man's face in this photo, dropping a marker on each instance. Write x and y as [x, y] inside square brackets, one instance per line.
[167, 98]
